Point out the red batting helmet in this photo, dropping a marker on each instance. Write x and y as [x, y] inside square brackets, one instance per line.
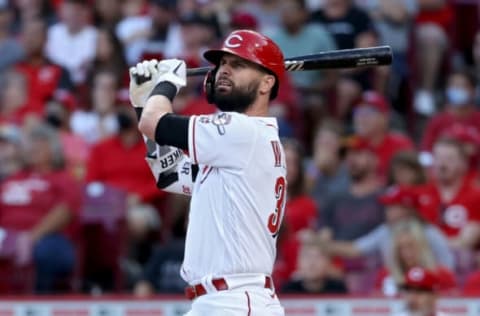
[253, 47]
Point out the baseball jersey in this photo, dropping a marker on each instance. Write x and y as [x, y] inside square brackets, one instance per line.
[238, 195]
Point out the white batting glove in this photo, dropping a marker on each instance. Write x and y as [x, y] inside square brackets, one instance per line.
[173, 71]
[148, 72]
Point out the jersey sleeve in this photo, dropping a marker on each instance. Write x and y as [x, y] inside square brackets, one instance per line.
[221, 140]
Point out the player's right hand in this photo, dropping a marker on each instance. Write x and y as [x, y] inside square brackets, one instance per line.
[143, 78]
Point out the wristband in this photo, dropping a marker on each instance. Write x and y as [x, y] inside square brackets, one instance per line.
[166, 89]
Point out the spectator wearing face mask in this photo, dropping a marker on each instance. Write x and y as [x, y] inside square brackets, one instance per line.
[459, 109]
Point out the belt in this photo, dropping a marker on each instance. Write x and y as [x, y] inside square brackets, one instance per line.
[220, 284]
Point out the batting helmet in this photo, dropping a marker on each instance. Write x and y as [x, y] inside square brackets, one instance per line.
[251, 46]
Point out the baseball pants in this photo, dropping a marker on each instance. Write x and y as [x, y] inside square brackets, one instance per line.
[243, 301]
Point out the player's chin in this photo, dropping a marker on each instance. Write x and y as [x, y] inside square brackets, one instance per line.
[223, 90]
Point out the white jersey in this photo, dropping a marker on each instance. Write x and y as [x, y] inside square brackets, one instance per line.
[238, 195]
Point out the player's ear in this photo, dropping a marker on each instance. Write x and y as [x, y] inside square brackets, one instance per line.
[266, 84]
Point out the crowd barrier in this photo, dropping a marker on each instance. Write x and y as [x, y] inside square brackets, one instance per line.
[177, 306]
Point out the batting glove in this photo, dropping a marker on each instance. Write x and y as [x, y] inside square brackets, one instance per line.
[173, 71]
[143, 78]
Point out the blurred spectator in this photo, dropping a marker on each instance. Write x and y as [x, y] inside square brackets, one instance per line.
[109, 55]
[13, 96]
[393, 20]
[243, 20]
[431, 40]
[143, 226]
[10, 49]
[164, 38]
[107, 13]
[133, 29]
[460, 110]
[351, 27]
[401, 203]
[371, 122]
[75, 148]
[71, 43]
[313, 272]
[11, 160]
[469, 137]
[27, 10]
[410, 249]
[105, 166]
[161, 274]
[198, 33]
[295, 36]
[266, 12]
[99, 122]
[300, 212]
[41, 202]
[450, 200]
[327, 174]
[46, 81]
[420, 292]
[405, 169]
[353, 213]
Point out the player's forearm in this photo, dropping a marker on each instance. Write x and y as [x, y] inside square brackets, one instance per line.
[155, 108]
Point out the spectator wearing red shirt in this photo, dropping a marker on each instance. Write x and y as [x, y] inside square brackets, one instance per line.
[45, 81]
[120, 161]
[40, 203]
[371, 119]
[410, 249]
[460, 110]
[450, 200]
[300, 211]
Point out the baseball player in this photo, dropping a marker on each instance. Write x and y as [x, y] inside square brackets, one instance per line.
[235, 171]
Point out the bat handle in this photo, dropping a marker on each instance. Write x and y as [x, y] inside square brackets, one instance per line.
[201, 71]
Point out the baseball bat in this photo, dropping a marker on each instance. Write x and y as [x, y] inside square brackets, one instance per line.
[332, 59]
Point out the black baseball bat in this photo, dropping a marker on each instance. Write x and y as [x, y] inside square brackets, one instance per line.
[332, 59]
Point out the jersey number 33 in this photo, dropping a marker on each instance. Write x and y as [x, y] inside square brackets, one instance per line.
[275, 218]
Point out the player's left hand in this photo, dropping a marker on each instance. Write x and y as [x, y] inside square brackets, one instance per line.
[143, 78]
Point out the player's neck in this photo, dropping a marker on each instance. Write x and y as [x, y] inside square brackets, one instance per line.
[257, 109]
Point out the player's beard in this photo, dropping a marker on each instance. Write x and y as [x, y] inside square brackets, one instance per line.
[238, 99]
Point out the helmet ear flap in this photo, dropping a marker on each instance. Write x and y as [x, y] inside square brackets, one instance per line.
[209, 85]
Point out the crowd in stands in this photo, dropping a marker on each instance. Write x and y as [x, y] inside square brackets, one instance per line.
[383, 162]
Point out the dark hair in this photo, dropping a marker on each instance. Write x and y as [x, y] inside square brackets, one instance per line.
[118, 58]
[298, 186]
[410, 160]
